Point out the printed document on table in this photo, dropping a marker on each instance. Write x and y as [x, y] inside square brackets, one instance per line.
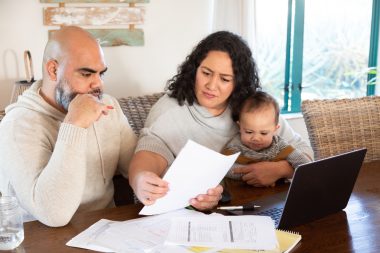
[249, 232]
[195, 170]
[138, 235]
[87, 239]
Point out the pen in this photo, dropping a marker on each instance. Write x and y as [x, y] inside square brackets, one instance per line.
[244, 207]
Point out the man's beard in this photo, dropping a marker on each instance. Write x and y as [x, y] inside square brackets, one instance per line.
[64, 94]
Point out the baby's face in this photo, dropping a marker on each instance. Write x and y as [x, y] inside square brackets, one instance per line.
[258, 128]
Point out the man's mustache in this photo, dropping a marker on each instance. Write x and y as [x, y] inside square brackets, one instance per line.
[96, 93]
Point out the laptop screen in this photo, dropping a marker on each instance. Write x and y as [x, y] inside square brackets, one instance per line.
[318, 189]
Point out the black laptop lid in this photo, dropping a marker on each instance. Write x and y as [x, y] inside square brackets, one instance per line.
[321, 188]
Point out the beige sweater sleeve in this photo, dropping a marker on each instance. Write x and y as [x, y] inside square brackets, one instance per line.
[48, 181]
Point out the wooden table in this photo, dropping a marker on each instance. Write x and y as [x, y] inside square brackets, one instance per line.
[356, 229]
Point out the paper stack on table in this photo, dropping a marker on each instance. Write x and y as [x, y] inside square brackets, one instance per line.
[137, 235]
[170, 232]
[250, 232]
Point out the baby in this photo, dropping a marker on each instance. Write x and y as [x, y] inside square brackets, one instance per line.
[257, 140]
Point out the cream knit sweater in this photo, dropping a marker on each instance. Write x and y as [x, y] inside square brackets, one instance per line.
[56, 169]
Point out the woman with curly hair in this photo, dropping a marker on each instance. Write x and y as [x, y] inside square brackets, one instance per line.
[202, 103]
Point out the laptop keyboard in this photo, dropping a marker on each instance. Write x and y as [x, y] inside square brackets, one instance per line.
[274, 213]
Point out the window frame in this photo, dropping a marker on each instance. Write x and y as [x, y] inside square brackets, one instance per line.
[294, 53]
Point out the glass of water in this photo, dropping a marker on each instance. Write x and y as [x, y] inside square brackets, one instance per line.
[11, 224]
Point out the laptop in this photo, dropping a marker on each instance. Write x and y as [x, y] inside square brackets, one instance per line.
[318, 188]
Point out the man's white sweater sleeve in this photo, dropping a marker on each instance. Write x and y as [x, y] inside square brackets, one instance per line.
[48, 182]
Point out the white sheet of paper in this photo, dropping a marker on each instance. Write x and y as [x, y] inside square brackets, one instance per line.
[234, 232]
[138, 235]
[195, 170]
[87, 238]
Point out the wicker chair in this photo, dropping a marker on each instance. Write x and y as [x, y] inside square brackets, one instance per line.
[137, 109]
[336, 126]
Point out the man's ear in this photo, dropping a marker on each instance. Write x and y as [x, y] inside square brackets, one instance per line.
[52, 68]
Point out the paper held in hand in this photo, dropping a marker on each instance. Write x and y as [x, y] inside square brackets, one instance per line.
[195, 170]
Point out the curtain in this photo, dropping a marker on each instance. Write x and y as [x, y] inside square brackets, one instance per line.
[236, 16]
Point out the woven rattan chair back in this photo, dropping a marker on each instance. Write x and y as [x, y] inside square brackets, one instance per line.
[336, 126]
[137, 109]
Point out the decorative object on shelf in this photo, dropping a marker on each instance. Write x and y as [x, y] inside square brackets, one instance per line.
[111, 25]
[20, 86]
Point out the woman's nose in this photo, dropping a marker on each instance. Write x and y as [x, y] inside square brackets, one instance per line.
[211, 85]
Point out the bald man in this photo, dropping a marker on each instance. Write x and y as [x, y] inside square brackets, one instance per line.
[63, 140]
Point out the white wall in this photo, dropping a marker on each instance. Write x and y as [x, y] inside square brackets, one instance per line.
[172, 28]
[297, 122]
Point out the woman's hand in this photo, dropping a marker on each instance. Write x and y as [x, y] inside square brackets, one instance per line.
[144, 176]
[265, 173]
[150, 187]
[209, 200]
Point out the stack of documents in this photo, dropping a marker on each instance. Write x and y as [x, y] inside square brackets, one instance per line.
[177, 232]
[224, 232]
[138, 235]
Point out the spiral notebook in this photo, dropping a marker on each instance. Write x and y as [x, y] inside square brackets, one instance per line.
[287, 241]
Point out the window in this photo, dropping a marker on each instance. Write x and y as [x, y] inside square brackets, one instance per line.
[308, 49]
[270, 44]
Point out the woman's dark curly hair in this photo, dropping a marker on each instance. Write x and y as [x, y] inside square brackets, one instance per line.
[181, 86]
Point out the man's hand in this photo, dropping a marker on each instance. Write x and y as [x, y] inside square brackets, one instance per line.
[85, 109]
[265, 173]
[209, 200]
[149, 187]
